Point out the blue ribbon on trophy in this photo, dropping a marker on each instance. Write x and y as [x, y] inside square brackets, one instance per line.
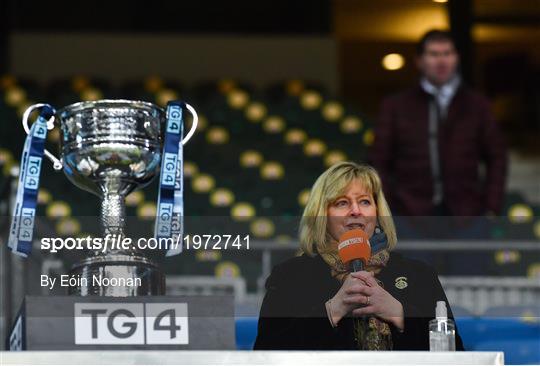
[24, 212]
[170, 206]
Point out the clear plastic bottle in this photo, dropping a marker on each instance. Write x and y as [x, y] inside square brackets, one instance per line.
[442, 331]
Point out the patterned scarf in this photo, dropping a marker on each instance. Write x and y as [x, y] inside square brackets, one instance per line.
[370, 333]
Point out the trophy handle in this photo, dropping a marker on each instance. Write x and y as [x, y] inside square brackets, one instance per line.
[57, 163]
[193, 126]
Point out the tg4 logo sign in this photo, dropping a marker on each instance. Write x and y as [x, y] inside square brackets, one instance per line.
[131, 323]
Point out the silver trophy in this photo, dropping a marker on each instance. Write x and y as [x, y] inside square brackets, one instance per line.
[110, 148]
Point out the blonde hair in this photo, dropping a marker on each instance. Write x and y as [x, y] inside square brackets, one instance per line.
[314, 236]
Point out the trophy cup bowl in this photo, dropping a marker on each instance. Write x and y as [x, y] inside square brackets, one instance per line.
[110, 148]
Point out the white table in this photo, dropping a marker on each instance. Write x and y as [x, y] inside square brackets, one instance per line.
[248, 358]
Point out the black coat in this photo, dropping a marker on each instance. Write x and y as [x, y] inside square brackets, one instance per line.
[293, 314]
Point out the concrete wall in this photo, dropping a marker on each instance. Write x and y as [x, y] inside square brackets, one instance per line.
[259, 60]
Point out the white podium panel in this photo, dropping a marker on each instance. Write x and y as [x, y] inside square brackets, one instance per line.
[248, 358]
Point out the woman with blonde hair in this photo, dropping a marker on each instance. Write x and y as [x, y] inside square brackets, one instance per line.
[313, 302]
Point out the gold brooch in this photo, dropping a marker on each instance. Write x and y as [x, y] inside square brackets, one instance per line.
[401, 282]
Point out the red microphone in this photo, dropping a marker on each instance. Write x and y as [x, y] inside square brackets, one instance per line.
[354, 249]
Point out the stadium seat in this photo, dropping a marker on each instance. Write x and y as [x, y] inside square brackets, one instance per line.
[461, 312]
[246, 332]
[475, 330]
[516, 351]
[518, 312]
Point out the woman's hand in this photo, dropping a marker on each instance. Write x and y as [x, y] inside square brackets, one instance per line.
[367, 297]
[342, 303]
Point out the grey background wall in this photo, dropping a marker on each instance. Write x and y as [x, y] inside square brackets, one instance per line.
[258, 60]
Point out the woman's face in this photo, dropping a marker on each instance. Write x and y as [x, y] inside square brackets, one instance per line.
[355, 209]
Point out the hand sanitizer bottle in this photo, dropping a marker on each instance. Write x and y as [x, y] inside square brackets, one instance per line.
[442, 331]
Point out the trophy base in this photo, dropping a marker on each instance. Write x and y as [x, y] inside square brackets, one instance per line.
[117, 275]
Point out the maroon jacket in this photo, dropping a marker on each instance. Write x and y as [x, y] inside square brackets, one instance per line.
[467, 137]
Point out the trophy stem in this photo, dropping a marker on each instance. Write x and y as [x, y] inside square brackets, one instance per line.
[136, 274]
[113, 214]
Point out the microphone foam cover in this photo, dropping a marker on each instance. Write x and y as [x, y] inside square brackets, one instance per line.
[354, 244]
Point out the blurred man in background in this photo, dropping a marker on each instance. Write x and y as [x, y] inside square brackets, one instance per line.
[432, 140]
